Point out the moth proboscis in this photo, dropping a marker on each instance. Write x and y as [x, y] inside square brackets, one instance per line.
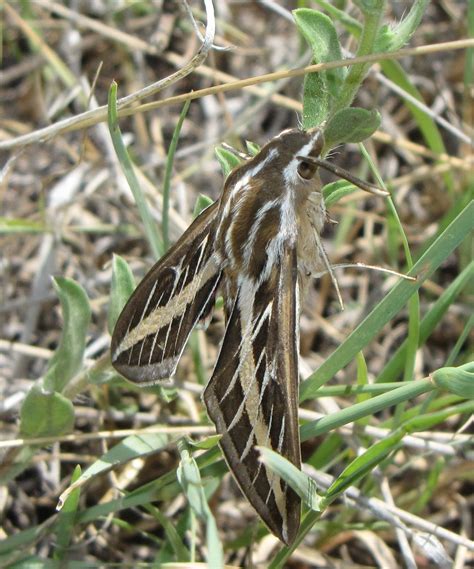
[259, 243]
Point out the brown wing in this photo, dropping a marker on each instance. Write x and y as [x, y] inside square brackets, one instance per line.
[153, 328]
[252, 396]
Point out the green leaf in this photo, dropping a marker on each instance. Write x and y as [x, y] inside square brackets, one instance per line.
[227, 159]
[252, 147]
[189, 478]
[67, 518]
[301, 483]
[201, 203]
[205, 444]
[352, 124]
[364, 464]
[67, 359]
[320, 33]
[457, 380]
[123, 284]
[337, 190]
[45, 414]
[362, 378]
[316, 101]
[9, 226]
[134, 446]
[392, 39]
[393, 302]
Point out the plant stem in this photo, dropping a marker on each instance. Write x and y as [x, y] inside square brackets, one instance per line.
[372, 20]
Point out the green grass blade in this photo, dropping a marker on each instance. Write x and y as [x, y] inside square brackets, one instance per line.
[168, 172]
[151, 230]
[414, 301]
[350, 414]
[394, 367]
[67, 519]
[189, 477]
[393, 302]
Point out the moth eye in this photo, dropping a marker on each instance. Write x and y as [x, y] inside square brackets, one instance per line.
[306, 170]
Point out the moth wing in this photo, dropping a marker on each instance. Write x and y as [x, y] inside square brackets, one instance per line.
[177, 292]
[252, 396]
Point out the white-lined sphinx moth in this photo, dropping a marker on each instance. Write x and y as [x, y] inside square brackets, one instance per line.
[259, 243]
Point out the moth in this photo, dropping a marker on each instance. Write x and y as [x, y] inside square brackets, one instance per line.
[259, 243]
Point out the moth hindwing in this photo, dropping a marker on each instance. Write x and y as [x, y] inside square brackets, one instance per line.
[259, 243]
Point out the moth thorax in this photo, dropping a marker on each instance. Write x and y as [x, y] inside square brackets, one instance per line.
[318, 142]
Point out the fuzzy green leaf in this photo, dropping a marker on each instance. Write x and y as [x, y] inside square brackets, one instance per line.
[352, 124]
[123, 284]
[320, 33]
[45, 414]
[316, 101]
[67, 359]
[391, 39]
[319, 89]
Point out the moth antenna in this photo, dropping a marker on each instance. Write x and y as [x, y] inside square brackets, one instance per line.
[373, 268]
[329, 270]
[365, 266]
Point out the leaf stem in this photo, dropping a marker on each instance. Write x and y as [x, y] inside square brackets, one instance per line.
[372, 20]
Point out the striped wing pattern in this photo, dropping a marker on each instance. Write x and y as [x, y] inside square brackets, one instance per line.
[179, 290]
[257, 242]
[252, 395]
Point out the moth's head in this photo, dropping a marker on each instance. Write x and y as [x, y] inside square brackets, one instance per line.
[296, 145]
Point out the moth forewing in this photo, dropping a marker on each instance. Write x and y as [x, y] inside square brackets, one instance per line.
[252, 394]
[153, 328]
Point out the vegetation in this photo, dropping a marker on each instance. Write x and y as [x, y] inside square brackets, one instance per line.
[387, 384]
